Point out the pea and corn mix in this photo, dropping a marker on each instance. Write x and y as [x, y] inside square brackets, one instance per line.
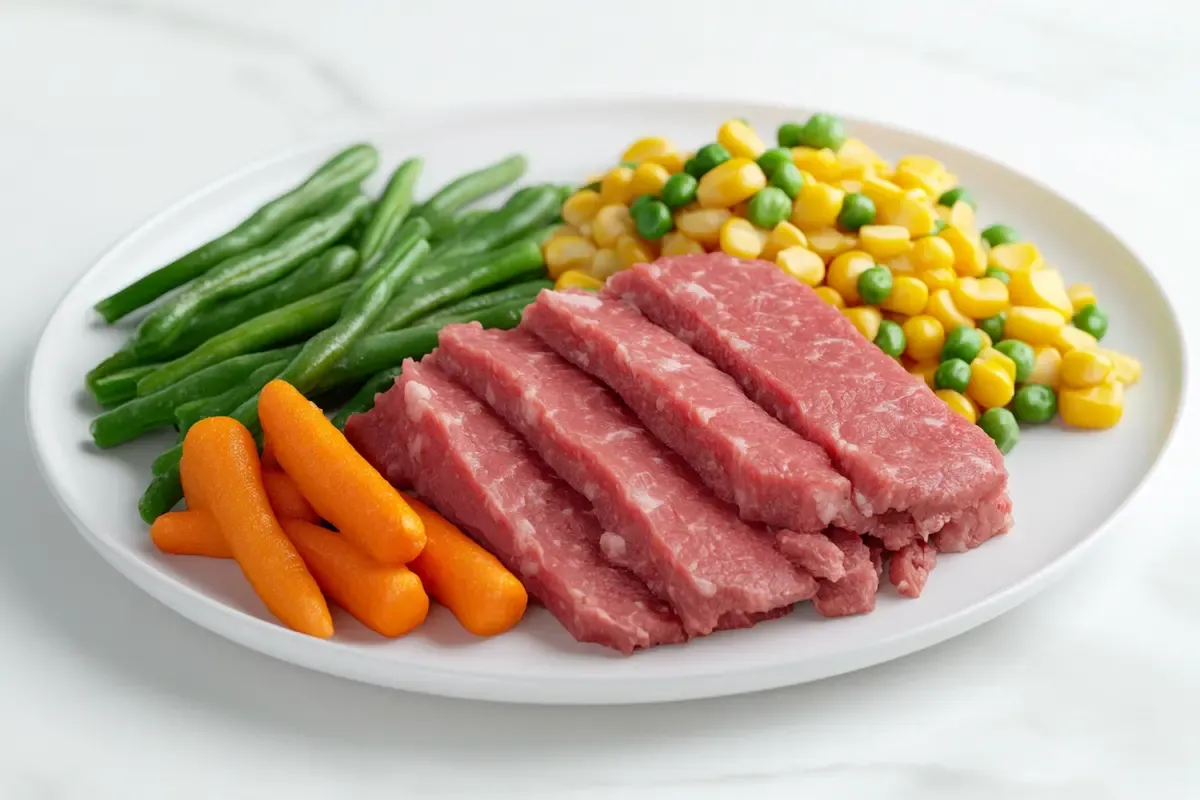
[977, 315]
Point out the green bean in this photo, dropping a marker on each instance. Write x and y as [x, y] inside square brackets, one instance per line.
[119, 361]
[377, 352]
[527, 290]
[525, 212]
[295, 321]
[346, 169]
[364, 399]
[157, 410]
[189, 413]
[391, 210]
[440, 209]
[248, 271]
[110, 391]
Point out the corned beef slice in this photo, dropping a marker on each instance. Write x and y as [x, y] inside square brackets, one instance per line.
[484, 477]
[659, 520]
[855, 592]
[906, 454]
[743, 454]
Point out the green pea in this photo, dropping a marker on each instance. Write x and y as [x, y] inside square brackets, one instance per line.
[1093, 320]
[706, 158]
[999, 234]
[769, 207]
[890, 338]
[823, 130]
[874, 285]
[790, 134]
[1001, 425]
[998, 274]
[994, 326]
[962, 342]
[679, 190]
[640, 201]
[953, 374]
[857, 210]
[952, 196]
[1021, 354]
[773, 159]
[652, 219]
[1035, 403]
[691, 167]
[788, 178]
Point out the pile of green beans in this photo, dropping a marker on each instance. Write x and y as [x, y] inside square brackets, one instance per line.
[324, 288]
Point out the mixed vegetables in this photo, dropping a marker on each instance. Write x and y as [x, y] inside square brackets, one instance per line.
[977, 315]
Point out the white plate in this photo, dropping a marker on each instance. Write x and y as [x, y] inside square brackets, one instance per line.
[1066, 486]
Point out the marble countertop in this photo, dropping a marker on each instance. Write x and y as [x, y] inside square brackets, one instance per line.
[111, 109]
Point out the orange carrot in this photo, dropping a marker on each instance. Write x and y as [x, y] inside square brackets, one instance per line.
[222, 476]
[388, 600]
[189, 533]
[285, 497]
[484, 596]
[336, 480]
[268, 456]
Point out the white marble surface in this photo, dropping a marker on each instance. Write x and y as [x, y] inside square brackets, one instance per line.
[111, 109]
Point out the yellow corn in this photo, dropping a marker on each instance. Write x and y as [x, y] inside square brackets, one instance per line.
[740, 139]
[923, 370]
[610, 223]
[989, 353]
[849, 185]
[1126, 369]
[739, 238]
[942, 308]
[802, 264]
[783, 236]
[830, 295]
[730, 183]
[932, 252]
[817, 206]
[907, 178]
[1015, 256]
[821, 164]
[574, 279]
[829, 243]
[676, 244]
[1082, 369]
[632, 250]
[647, 148]
[1047, 363]
[1033, 326]
[856, 159]
[616, 186]
[1081, 295]
[969, 257]
[991, 385]
[960, 404]
[926, 165]
[987, 340]
[844, 271]
[962, 216]
[980, 298]
[886, 195]
[884, 241]
[702, 225]
[925, 336]
[605, 264]
[916, 216]
[901, 265]
[1096, 408]
[909, 295]
[581, 207]
[741, 209]
[939, 277]
[648, 178]
[866, 319]
[568, 252]
[1042, 288]
[1071, 338]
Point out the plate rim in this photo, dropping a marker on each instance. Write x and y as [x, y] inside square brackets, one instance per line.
[281, 643]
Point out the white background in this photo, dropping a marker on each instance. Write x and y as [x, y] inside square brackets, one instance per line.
[111, 109]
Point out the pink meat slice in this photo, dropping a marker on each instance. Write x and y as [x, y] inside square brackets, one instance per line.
[906, 454]
[816, 553]
[659, 520]
[744, 455]
[855, 593]
[909, 567]
[485, 479]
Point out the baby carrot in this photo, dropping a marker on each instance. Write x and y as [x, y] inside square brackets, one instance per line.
[189, 533]
[268, 456]
[336, 480]
[222, 476]
[484, 596]
[388, 600]
[286, 500]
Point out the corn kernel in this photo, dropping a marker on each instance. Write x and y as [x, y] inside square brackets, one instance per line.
[581, 207]
[648, 178]
[730, 183]
[647, 148]
[980, 298]
[802, 264]
[740, 139]
[932, 252]
[1041, 289]
[938, 278]
[605, 264]
[1126, 369]
[632, 250]
[912, 213]
[1082, 369]
[908, 296]
[616, 186]
[901, 265]
[926, 165]
[739, 238]
[821, 164]
[830, 295]
[925, 336]
[1047, 364]
[960, 404]
[886, 195]
[574, 279]
[990, 386]
[962, 216]
[1015, 257]
[1096, 408]
[849, 185]
[923, 370]
[1081, 295]
[817, 206]
[844, 271]
[969, 257]
[1034, 326]
[908, 178]
[856, 159]
[829, 243]
[783, 236]
[983, 337]
[942, 308]
[866, 319]
[703, 225]
[568, 252]
[989, 353]
[677, 244]
[610, 223]
[1071, 338]
[884, 241]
